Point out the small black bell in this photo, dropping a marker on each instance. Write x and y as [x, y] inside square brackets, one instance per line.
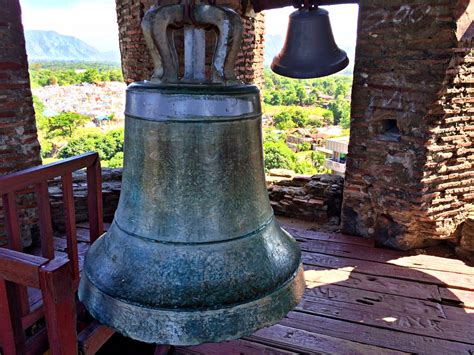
[310, 50]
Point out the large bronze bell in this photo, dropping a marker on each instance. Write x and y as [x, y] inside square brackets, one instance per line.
[194, 253]
[310, 50]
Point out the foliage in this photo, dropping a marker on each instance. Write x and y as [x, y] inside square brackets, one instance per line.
[310, 93]
[115, 162]
[318, 158]
[303, 147]
[42, 123]
[278, 156]
[108, 145]
[280, 90]
[63, 124]
[341, 109]
[291, 117]
[73, 73]
[283, 121]
[306, 167]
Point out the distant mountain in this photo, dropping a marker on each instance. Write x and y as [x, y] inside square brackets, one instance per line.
[274, 44]
[52, 46]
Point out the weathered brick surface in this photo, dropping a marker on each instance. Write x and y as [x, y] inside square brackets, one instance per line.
[19, 148]
[410, 173]
[315, 198]
[136, 61]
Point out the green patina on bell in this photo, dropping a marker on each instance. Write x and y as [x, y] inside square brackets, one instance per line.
[194, 253]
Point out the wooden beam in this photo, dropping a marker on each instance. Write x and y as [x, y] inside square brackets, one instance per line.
[94, 201]
[70, 216]
[18, 181]
[260, 5]
[59, 306]
[45, 224]
[20, 268]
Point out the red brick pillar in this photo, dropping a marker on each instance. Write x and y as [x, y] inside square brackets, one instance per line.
[19, 147]
[136, 62]
[410, 171]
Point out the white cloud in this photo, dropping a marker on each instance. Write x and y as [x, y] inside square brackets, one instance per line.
[94, 22]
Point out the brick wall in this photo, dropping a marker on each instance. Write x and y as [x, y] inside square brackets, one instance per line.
[136, 61]
[410, 174]
[19, 148]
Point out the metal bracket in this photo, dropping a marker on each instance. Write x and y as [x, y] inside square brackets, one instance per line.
[158, 26]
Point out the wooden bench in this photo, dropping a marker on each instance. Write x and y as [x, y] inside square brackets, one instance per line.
[55, 274]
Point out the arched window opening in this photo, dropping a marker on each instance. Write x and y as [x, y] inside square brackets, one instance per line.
[76, 77]
[304, 119]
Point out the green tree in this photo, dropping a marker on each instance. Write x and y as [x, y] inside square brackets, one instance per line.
[278, 156]
[299, 117]
[341, 109]
[275, 98]
[64, 124]
[283, 121]
[108, 146]
[115, 162]
[289, 97]
[91, 76]
[301, 94]
[318, 159]
[314, 122]
[305, 167]
[303, 147]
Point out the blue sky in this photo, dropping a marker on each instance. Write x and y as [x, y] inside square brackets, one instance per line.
[95, 22]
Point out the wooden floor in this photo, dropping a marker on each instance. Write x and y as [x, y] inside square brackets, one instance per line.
[364, 300]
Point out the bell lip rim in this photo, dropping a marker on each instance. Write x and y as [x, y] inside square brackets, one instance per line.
[294, 286]
[334, 69]
[293, 276]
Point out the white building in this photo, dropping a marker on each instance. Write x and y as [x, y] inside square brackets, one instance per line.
[338, 149]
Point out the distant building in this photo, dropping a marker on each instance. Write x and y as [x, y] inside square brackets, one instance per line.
[337, 149]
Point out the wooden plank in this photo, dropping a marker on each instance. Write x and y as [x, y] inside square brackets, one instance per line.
[94, 201]
[366, 334]
[454, 296]
[85, 225]
[306, 341]
[14, 243]
[38, 343]
[462, 315]
[59, 306]
[83, 235]
[45, 224]
[93, 337]
[347, 278]
[12, 336]
[11, 221]
[70, 217]
[308, 235]
[382, 301]
[20, 268]
[435, 277]
[16, 181]
[234, 347]
[34, 315]
[419, 262]
[408, 323]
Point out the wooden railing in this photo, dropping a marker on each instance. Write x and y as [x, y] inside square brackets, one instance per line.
[57, 277]
[38, 177]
